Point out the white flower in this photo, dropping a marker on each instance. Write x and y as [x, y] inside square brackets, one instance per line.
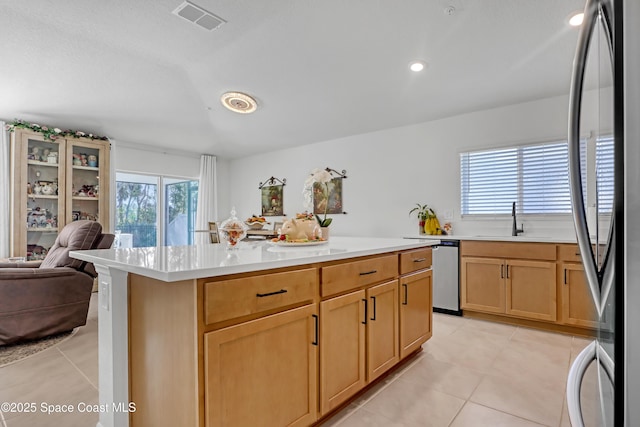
[56, 130]
[35, 125]
[321, 175]
[317, 175]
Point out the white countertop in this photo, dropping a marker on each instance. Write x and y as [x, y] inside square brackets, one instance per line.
[172, 263]
[520, 238]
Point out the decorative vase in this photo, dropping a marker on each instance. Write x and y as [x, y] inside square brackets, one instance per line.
[325, 232]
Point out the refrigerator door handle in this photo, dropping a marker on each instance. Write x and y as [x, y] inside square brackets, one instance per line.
[593, 10]
[574, 383]
[591, 352]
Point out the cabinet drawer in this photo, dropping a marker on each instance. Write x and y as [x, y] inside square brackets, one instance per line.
[418, 259]
[228, 299]
[569, 253]
[351, 275]
[511, 250]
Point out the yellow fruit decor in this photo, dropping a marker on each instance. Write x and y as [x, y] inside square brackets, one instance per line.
[431, 224]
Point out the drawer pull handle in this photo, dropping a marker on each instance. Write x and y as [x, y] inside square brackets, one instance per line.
[406, 294]
[565, 276]
[577, 253]
[315, 317]
[419, 260]
[281, 291]
[507, 271]
[364, 322]
[373, 300]
[368, 272]
[502, 271]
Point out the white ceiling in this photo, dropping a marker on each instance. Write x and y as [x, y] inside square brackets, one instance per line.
[320, 69]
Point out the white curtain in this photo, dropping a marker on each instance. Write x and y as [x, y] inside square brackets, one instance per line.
[5, 191]
[207, 197]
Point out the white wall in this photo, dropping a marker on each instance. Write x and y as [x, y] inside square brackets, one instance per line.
[391, 170]
[151, 160]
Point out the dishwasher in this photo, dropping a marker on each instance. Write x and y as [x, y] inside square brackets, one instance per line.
[446, 277]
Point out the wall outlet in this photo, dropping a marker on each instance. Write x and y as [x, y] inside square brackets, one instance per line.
[448, 214]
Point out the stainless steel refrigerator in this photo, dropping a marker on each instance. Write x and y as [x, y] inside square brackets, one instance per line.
[603, 387]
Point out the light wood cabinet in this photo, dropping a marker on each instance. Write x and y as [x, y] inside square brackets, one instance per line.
[531, 289]
[482, 285]
[342, 348]
[578, 308]
[382, 329]
[266, 348]
[522, 288]
[263, 372]
[416, 305]
[49, 190]
[515, 287]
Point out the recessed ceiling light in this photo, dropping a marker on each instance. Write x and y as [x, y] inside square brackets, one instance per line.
[417, 66]
[576, 19]
[239, 102]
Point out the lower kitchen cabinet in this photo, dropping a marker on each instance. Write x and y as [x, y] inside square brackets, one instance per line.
[578, 308]
[382, 329]
[342, 348]
[263, 372]
[519, 288]
[531, 289]
[415, 294]
[482, 284]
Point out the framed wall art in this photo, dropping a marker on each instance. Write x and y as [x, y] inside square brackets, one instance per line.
[271, 196]
[327, 197]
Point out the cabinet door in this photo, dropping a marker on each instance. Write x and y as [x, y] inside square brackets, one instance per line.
[88, 181]
[577, 304]
[482, 284]
[263, 372]
[382, 329]
[415, 311]
[342, 349]
[531, 289]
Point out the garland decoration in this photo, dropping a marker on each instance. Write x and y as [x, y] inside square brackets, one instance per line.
[49, 132]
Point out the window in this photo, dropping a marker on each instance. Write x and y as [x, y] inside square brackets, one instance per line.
[534, 176]
[604, 174]
[155, 210]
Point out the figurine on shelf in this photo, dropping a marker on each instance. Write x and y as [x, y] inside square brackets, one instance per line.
[37, 189]
[35, 154]
[52, 158]
[76, 160]
[45, 155]
[83, 159]
[29, 189]
[93, 161]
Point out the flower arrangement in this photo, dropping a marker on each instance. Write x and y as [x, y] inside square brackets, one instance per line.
[322, 177]
[49, 132]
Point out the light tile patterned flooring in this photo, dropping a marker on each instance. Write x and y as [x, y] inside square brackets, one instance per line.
[471, 373]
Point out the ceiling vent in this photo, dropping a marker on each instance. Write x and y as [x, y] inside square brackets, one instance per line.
[198, 16]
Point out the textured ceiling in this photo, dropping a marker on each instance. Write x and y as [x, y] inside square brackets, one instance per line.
[320, 70]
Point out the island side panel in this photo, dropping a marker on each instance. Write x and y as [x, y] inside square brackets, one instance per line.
[164, 352]
[113, 343]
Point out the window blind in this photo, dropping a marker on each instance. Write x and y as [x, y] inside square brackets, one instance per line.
[604, 174]
[535, 176]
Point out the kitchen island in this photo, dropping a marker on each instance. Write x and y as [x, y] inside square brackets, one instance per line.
[263, 334]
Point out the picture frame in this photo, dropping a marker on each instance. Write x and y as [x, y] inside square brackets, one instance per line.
[75, 215]
[272, 200]
[328, 197]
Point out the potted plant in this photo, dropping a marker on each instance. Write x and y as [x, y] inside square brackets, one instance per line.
[423, 212]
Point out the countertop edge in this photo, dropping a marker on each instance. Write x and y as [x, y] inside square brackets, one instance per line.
[94, 256]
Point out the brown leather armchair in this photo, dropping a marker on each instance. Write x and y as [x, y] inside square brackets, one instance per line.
[51, 296]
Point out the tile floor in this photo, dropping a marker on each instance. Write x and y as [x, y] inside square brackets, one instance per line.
[471, 373]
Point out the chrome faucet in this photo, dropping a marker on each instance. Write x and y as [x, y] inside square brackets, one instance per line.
[515, 230]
